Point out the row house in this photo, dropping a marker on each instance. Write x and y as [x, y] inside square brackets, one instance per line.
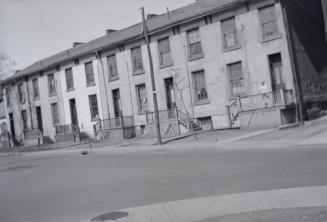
[217, 64]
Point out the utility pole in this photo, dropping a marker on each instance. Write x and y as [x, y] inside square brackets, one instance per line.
[154, 92]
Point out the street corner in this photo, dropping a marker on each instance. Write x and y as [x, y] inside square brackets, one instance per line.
[271, 204]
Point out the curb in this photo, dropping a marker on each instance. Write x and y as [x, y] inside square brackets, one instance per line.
[289, 126]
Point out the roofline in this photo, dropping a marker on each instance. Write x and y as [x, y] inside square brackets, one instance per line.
[133, 38]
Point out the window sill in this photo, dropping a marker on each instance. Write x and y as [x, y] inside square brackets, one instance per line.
[166, 65]
[196, 57]
[70, 90]
[200, 103]
[91, 84]
[114, 78]
[52, 94]
[272, 38]
[233, 48]
[138, 72]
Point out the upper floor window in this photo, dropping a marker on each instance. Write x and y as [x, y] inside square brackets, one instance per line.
[268, 22]
[93, 106]
[194, 43]
[8, 96]
[69, 79]
[21, 95]
[51, 84]
[137, 62]
[89, 73]
[24, 119]
[236, 79]
[55, 113]
[112, 67]
[141, 98]
[229, 32]
[200, 87]
[35, 85]
[164, 52]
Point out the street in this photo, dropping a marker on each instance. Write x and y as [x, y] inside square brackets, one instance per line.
[73, 187]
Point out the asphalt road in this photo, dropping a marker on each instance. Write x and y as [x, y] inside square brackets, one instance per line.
[75, 187]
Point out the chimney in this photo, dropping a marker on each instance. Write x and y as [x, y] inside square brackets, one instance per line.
[77, 43]
[150, 16]
[110, 31]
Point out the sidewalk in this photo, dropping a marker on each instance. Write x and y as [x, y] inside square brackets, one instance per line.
[198, 209]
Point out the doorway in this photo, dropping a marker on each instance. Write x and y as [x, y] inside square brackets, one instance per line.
[276, 71]
[39, 118]
[73, 112]
[116, 101]
[170, 96]
[12, 125]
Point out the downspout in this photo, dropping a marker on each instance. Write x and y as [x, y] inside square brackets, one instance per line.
[104, 79]
[29, 102]
[294, 64]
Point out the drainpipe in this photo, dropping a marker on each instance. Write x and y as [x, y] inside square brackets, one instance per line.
[295, 67]
[104, 79]
[29, 102]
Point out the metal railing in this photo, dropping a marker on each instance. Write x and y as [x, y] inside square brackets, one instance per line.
[114, 123]
[66, 129]
[265, 100]
[164, 115]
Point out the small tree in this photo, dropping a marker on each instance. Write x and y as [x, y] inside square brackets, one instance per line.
[7, 66]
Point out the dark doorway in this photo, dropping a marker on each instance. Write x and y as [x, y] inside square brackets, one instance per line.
[39, 118]
[276, 70]
[12, 125]
[116, 101]
[73, 112]
[170, 96]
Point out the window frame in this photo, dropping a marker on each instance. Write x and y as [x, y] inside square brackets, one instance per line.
[195, 85]
[52, 85]
[87, 75]
[141, 108]
[163, 52]
[21, 93]
[112, 67]
[235, 34]
[69, 81]
[261, 23]
[36, 90]
[8, 96]
[24, 117]
[94, 113]
[230, 80]
[140, 70]
[189, 44]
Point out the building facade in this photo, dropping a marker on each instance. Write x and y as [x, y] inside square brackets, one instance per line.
[226, 64]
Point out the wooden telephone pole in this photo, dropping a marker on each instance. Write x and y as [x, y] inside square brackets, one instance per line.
[154, 92]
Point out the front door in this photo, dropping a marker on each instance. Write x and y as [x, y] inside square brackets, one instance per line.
[276, 70]
[170, 96]
[73, 112]
[116, 101]
[12, 125]
[39, 118]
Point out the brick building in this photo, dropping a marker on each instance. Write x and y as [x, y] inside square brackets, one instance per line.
[218, 64]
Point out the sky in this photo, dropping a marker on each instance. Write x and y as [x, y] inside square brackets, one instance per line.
[34, 29]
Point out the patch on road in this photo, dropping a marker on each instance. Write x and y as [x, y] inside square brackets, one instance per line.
[303, 214]
[110, 216]
[18, 168]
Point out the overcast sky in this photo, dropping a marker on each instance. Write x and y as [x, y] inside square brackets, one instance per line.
[34, 29]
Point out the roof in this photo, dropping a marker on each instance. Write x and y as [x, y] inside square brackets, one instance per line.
[200, 7]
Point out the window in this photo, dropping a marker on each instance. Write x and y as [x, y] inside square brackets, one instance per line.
[8, 96]
[55, 113]
[24, 119]
[93, 106]
[21, 95]
[137, 62]
[200, 87]
[35, 85]
[141, 98]
[112, 67]
[69, 79]
[229, 32]
[269, 26]
[51, 84]
[164, 52]
[89, 74]
[236, 79]
[194, 43]
[276, 70]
